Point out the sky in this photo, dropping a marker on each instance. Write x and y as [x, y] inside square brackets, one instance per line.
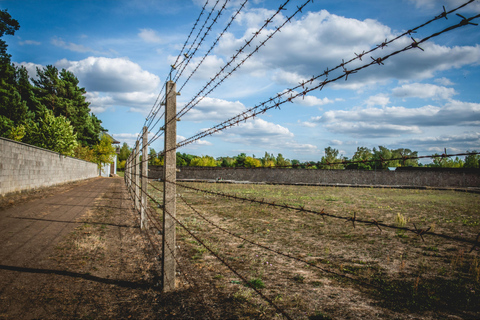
[122, 51]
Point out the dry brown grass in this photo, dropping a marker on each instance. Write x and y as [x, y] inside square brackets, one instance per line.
[372, 274]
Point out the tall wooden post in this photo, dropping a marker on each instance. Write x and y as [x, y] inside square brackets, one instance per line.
[169, 188]
[137, 176]
[143, 207]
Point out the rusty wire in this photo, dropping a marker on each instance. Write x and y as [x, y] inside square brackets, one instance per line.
[222, 260]
[270, 249]
[323, 214]
[234, 16]
[153, 113]
[156, 225]
[189, 55]
[277, 101]
[194, 101]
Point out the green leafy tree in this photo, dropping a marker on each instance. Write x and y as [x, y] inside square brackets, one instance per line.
[446, 162]
[226, 162]
[362, 154]
[204, 161]
[85, 153]
[400, 153]
[59, 92]
[13, 111]
[282, 162]
[53, 133]
[240, 160]
[382, 155]
[268, 160]
[124, 152]
[472, 160]
[331, 159]
[251, 162]
[104, 151]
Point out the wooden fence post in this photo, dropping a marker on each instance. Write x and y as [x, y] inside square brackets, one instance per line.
[143, 207]
[169, 189]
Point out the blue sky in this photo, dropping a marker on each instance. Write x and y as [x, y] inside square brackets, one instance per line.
[121, 51]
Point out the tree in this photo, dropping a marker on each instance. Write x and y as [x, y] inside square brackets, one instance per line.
[59, 92]
[382, 155]
[124, 152]
[472, 160]
[400, 153]
[362, 154]
[268, 160]
[226, 162]
[331, 159]
[251, 162]
[104, 151]
[446, 162]
[53, 133]
[240, 160]
[282, 162]
[204, 161]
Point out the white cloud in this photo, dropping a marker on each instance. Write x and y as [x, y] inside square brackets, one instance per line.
[265, 135]
[214, 109]
[460, 142]
[31, 68]
[307, 124]
[424, 91]
[452, 113]
[319, 40]
[150, 36]
[373, 130]
[114, 82]
[392, 121]
[449, 4]
[310, 101]
[29, 42]
[111, 74]
[378, 100]
[59, 42]
[444, 81]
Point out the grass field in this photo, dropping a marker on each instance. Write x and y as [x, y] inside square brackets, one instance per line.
[345, 272]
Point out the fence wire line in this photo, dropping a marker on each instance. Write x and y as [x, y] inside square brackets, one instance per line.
[262, 108]
[159, 100]
[221, 260]
[189, 56]
[182, 268]
[323, 214]
[270, 249]
[200, 95]
[247, 114]
[234, 16]
[160, 132]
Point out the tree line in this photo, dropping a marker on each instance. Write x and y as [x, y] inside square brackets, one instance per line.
[331, 160]
[49, 110]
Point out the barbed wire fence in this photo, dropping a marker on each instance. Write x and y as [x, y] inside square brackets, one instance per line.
[160, 230]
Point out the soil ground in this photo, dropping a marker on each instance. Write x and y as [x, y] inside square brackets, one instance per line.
[76, 252]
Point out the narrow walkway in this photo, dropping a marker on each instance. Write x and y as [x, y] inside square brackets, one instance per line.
[37, 279]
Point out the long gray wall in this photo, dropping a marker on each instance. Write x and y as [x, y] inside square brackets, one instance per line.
[24, 167]
[405, 178]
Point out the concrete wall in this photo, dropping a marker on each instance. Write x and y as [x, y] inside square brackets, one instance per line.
[407, 178]
[24, 167]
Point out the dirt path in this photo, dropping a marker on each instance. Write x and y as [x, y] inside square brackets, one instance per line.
[63, 253]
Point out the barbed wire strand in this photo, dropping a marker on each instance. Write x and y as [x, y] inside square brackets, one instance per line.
[322, 213]
[253, 112]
